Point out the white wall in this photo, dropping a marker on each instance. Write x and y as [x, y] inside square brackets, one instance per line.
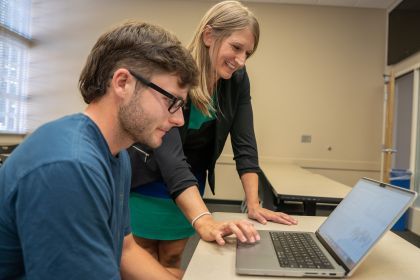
[65, 31]
[318, 71]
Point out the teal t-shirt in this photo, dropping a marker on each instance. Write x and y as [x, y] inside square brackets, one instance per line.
[64, 204]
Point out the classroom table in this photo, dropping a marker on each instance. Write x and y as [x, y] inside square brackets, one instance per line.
[289, 182]
[392, 258]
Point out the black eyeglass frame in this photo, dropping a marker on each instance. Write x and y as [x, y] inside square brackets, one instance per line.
[177, 102]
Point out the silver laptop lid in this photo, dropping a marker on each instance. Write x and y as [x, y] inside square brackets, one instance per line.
[361, 219]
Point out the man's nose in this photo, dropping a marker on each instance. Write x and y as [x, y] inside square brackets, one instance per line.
[177, 118]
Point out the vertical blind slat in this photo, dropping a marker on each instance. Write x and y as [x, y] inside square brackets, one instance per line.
[14, 65]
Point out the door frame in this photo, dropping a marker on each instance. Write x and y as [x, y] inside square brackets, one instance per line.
[388, 125]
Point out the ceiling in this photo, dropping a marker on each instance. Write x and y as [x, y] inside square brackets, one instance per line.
[379, 4]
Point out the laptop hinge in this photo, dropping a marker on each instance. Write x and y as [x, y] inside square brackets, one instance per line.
[332, 253]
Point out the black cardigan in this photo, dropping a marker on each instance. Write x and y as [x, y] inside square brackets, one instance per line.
[234, 116]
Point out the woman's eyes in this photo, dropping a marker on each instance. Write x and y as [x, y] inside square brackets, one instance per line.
[239, 49]
[236, 47]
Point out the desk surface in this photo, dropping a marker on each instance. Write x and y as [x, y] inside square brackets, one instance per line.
[392, 258]
[292, 180]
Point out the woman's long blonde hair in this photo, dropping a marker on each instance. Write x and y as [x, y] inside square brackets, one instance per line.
[223, 18]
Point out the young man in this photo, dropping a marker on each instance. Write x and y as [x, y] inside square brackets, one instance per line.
[64, 190]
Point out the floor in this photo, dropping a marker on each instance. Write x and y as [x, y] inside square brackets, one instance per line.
[235, 208]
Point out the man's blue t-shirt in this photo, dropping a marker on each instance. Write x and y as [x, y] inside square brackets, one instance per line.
[64, 204]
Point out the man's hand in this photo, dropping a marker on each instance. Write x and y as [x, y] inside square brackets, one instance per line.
[212, 230]
[263, 215]
[137, 263]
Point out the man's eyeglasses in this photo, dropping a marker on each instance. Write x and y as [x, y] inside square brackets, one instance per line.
[177, 102]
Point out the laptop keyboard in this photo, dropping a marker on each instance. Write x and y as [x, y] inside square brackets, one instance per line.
[298, 250]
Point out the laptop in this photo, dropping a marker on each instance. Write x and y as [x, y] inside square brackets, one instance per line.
[338, 246]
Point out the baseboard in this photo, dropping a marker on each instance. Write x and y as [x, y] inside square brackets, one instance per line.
[414, 220]
[309, 163]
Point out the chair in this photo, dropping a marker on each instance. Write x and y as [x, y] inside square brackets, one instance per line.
[5, 151]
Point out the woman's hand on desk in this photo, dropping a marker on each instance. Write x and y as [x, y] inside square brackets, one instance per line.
[255, 211]
[263, 215]
[211, 230]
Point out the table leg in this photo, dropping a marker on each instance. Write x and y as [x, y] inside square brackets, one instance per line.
[309, 208]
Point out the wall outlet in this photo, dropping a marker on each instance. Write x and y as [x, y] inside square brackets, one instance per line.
[306, 138]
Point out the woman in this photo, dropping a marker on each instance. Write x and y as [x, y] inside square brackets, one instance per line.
[226, 37]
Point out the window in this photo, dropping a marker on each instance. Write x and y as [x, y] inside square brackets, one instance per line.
[15, 20]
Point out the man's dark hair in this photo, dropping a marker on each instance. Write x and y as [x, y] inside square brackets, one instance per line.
[141, 47]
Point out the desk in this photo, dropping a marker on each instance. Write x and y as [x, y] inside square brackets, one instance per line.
[290, 182]
[392, 258]
[5, 151]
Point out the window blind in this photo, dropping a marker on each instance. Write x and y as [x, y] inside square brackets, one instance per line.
[15, 21]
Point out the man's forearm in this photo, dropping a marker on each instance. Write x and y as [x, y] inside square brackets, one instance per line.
[137, 263]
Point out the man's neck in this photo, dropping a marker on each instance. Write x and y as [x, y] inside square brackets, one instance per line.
[106, 118]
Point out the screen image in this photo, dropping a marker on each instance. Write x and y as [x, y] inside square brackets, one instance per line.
[361, 219]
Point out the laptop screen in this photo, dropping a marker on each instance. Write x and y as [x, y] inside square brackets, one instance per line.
[361, 219]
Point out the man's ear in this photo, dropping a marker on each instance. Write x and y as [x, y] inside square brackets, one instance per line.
[122, 82]
[208, 37]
